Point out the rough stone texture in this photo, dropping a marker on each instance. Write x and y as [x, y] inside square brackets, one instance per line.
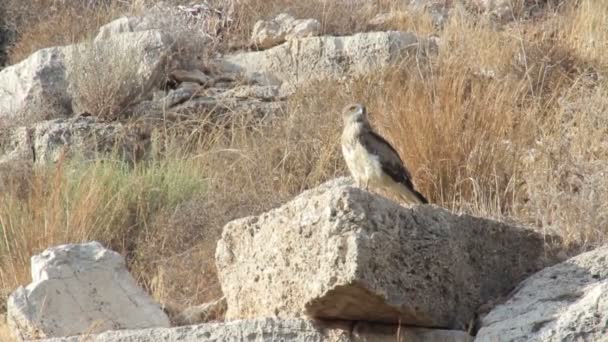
[35, 86]
[15, 144]
[566, 302]
[302, 60]
[118, 26]
[196, 22]
[268, 33]
[47, 141]
[258, 101]
[196, 76]
[77, 289]
[274, 329]
[338, 252]
[43, 84]
[183, 93]
[303, 28]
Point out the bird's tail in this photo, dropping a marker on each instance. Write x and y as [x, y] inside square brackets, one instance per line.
[410, 195]
[420, 197]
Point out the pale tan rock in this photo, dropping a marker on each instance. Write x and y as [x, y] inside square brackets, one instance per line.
[49, 141]
[80, 289]
[47, 82]
[303, 28]
[269, 33]
[16, 144]
[299, 61]
[35, 86]
[339, 252]
[276, 329]
[565, 302]
[118, 26]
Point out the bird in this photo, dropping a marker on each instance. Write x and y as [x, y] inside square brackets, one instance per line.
[371, 160]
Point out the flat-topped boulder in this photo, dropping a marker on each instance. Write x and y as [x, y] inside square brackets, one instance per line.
[339, 252]
[77, 289]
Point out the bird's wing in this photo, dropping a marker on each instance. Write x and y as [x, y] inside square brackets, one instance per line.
[390, 161]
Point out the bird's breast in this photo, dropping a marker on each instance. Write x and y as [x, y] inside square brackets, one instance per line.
[363, 165]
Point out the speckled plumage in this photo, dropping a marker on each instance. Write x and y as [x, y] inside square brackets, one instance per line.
[371, 160]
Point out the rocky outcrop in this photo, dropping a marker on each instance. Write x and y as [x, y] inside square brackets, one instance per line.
[566, 302]
[299, 61]
[48, 141]
[201, 22]
[48, 82]
[338, 252]
[77, 289]
[284, 27]
[275, 329]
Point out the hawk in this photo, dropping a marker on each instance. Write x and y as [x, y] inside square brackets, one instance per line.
[371, 160]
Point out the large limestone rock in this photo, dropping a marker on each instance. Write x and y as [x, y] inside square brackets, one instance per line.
[301, 60]
[48, 141]
[275, 329]
[268, 33]
[35, 86]
[566, 302]
[339, 252]
[49, 82]
[80, 289]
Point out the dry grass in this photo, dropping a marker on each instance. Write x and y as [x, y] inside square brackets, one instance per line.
[80, 201]
[502, 123]
[44, 23]
[107, 77]
[5, 333]
[585, 31]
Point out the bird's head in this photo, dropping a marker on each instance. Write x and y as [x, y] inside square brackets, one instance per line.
[354, 113]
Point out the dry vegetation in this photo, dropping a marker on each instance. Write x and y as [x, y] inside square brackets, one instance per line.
[39, 24]
[509, 123]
